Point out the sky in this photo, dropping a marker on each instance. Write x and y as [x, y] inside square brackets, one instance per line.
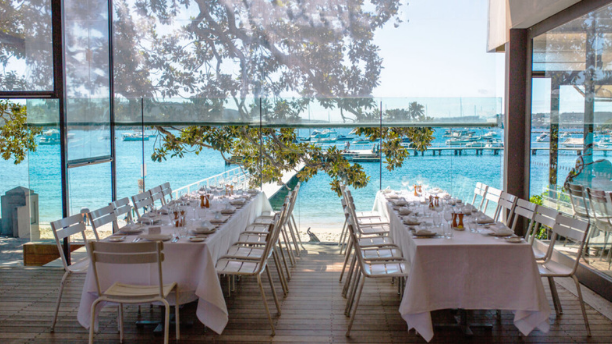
[440, 51]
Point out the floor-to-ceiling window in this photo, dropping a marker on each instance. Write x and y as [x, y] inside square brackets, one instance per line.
[570, 121]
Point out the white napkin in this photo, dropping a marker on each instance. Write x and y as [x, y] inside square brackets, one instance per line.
[424, 232]
[484, 220]
[404, 211]
[411, 220]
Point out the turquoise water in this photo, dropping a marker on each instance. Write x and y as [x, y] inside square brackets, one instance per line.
[317, 205]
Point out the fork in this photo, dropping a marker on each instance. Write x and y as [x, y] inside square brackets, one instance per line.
[137, 239]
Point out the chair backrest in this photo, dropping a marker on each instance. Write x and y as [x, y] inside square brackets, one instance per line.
[544, 217]
[574, 229]
[141, 201]
[157, 195]
[127, 253]
[67, 227]
[103, 216]
[166, 191]
[480, 190]
[492, 195]
[505, 208]
[578, 198]
[601, 208]
[273, 234]
[527, 210]
[121, 207]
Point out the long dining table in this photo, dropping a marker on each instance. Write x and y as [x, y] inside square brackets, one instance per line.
[471, 271]
[190, 264]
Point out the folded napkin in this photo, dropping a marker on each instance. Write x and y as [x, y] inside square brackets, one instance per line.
[163, 212]
[399, 202]
[219, 220]
[404, 211]
[484, 220]
[424, 232]
[392, 196]
[387, 190]
[156, 237]
[411, 220]
[238, 201]
[501, 231]
[204, 229]
[230, 210]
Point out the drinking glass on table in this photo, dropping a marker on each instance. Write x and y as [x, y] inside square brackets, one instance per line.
[448, 230]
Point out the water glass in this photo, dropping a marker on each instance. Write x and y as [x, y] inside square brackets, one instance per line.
[448, 231]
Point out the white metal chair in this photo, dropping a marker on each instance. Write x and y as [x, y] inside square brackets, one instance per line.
[65, 228]
[103, 216]
[479, 191]
[157, 195]
[231, 266]
[492, 195]
[132, 254]
[242, 250]
[141, 202]
[166, 192]
[122, 207]
[256, 233]
[546, 217]
[576, 230]
[505, 208]
[370, 268]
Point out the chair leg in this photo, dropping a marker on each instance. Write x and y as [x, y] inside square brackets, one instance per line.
[288, 245]
[350, 276]
[278, 309]
[166, 321]
[358, 296]
[584, 314]
[282, 254]
[351, 297]
[297, 229]
[176, 314]
[281, 274]
[555, 296]
[293, 233]
[346, 258]
[120, 323]
[59, 299]
[263, 297]
[92, 321]
[229, 285]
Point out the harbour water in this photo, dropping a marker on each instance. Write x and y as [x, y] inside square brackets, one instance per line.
[318, 207]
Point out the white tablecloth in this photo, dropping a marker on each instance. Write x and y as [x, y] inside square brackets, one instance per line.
[191, 265]
[469, 271]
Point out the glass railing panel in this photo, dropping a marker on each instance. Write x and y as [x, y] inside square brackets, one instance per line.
[45, 166]
[90, 189]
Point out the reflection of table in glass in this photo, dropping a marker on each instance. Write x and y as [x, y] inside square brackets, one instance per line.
[191, 265]
[469, 271]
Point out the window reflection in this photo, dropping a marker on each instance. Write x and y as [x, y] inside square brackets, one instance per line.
[571, 116]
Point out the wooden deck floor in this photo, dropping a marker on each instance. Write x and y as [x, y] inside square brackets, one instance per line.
[312, 313]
